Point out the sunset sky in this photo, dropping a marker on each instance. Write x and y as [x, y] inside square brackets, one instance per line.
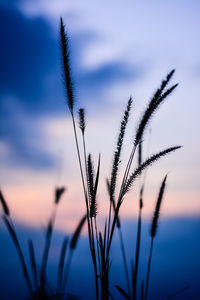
[118, 49]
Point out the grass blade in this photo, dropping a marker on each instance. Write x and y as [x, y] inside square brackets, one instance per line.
[97, 177]
[126, 296]
[72, 247]
[4, 204]
[124, 260]
[76, 234]
[154, 229]
[13, 235]
[142, 290]
[33, 263]
[61, 263]
[46, 253]
[148, 269]
[154, 224]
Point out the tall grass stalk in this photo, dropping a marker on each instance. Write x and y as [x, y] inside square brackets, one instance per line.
[33, 264]
[61, 264]
[100, 246]
[48, 237]
[72, 247]
[70, 100]
[153, 231]
[113, 182]
[12, 232]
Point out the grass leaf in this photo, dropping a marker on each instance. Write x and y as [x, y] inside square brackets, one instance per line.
[4, 204]
[126, 296]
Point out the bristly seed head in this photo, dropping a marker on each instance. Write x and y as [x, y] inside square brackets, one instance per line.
[82, 120]
[58, 194]
[91, 185]
[158, 98]
[154, 224]
[66, 66]
[117, 153]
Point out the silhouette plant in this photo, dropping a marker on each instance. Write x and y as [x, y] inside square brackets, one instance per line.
[100, 242]
[39, 288]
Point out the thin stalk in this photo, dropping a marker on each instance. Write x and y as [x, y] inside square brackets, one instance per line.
[45, 255]
[87, 204]
[91, 242]
[97, 241]
[67, 268]
[33, 264]
[94, 262]
[72, 247]
[124, 261]
[61, 264]
[109, 219]
[80, 164]
[126, 173]
[12, 232]
[142, 290]
[137, 252]
[148, 270]
[90, 228]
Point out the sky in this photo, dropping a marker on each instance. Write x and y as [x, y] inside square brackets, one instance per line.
[117, 50]
[174, 243]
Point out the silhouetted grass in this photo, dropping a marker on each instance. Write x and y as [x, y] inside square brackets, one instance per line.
[100, 241]
[153, 231]
[39, 289]
[100, 247]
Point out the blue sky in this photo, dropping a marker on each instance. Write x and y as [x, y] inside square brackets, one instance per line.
[117, 50]
[171, 268]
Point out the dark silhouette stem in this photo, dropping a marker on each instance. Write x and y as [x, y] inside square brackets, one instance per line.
[124, 260]
[97, 242]
[137, 253]
[90, 224]
[148, 270]
[11, 228]
[67, 268]
[95, 262]
[109, 219]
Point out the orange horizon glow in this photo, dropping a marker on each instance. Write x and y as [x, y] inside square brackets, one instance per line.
[31, 205]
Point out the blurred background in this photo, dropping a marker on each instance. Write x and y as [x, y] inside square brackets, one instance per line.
[118, 49]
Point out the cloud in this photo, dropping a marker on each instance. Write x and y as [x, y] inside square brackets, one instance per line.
[106, 76]
[24, 142]
[26, 56]
[31, 63]
[31, 81]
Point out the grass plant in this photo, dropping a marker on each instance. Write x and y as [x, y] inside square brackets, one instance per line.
[100, 241]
